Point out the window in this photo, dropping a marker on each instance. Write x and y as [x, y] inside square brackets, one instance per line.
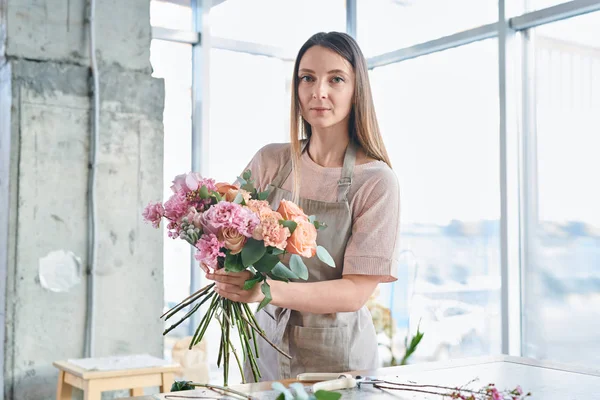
[172, 14]
[439, 118]
[561, 306]
[387, 25]
[282, 23]
[173, 63]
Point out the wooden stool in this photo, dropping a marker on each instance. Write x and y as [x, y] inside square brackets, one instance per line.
[93, 383]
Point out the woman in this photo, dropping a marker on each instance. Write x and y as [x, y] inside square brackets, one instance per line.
[341, 173]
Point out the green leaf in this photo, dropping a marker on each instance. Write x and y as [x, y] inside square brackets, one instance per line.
[312, 219]
[233, 262]
[252, 252]
[217, 196]
[204, 192]
[319, 225]
[275, 251]
[266, 289]
[249, 284]
[247, 174]
[324, 256]
[248, 186]
[284, 272]
[239, 199]
[263, 195]
[326, 395]
[281, 397]
[178, 386]
[241, 180]
[266, 263]
[291, 225]
[298, 267]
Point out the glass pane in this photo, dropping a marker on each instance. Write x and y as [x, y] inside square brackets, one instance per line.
[256, 115]
[562, 286]
[440, 125]
[282, 23]
[173, 63]
[173, 14]
[386, 25]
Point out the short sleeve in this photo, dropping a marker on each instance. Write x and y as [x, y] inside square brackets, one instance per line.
[374, 244]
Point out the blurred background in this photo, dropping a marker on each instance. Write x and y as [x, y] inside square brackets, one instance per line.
[490, 111]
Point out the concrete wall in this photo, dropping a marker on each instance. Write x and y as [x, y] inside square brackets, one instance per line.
[45, 120]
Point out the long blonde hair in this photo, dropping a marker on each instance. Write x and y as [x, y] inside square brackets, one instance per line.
[364, 129]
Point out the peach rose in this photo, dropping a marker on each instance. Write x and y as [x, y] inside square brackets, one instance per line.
[229, 192]
[290, 210]
[303, 241]
[232, 239]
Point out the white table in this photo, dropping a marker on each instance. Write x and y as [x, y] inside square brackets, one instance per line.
[545, 380]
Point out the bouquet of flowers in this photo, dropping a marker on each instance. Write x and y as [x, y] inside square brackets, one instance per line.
[235, 228]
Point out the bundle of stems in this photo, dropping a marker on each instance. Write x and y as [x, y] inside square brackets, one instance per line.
[230, 315]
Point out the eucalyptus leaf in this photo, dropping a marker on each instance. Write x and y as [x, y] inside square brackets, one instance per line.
[298, 267]
[247, 174]
[312, 219]
[281, 271]
[263, 195]
[252, 252]
[324, 256]
[239, 199]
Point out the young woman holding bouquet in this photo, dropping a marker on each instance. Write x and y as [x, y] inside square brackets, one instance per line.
[340, 172]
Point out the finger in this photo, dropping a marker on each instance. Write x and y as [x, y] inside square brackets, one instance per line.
[204, 267]
[228, 287]
[226, 279]
[228, 295]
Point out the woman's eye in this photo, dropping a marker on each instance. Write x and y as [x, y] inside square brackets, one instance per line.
[306, 78]
[338, 79]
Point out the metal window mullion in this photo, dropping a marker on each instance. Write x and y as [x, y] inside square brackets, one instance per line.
[553, 14]
[200, 139]
[529, 176]
[510, 88]
[351, 17]
[447, 42]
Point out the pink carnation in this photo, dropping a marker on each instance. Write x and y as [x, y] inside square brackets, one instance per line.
[496, 395]
[209, 248]
[177, 207]
[153, 213]
[229, 215]
[271, 231]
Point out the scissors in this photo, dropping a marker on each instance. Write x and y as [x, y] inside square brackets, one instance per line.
[332, 381]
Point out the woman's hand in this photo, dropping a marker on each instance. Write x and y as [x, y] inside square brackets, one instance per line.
[231, 286]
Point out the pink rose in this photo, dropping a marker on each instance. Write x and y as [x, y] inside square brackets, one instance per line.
[153, 213]
[303, 241]
[233, 240]
[290, 210]
[179, 183]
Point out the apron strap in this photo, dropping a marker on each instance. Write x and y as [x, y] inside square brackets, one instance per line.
[347, 171]
[287, 168]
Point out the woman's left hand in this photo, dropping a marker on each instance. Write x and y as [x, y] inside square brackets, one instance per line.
[231, 286]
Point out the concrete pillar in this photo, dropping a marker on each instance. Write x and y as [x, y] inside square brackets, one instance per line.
[45, 117]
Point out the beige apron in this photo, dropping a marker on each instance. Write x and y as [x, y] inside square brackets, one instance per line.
[336, 342]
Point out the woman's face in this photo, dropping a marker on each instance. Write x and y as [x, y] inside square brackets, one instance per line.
[326, 87]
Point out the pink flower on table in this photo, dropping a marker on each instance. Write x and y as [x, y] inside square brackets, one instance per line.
[153, 213]
[229, 215]
[177, 207]
[209, 248]
[496, 395]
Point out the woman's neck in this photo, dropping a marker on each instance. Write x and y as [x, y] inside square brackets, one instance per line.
[327, 147]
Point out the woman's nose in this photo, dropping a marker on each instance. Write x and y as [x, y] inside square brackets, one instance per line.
[320, 90]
